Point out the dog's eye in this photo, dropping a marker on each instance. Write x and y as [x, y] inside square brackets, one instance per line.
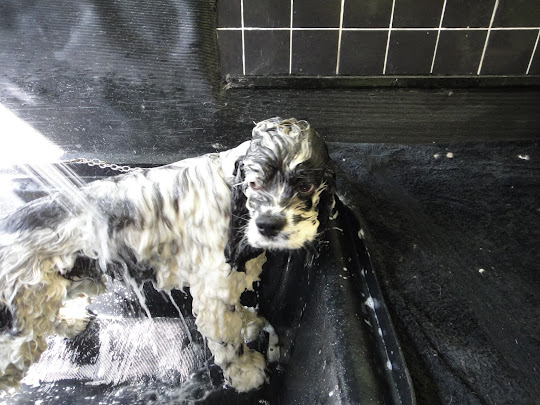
[305, 187]
[255, 185]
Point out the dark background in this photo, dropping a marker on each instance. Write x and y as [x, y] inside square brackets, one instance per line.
[138, 82]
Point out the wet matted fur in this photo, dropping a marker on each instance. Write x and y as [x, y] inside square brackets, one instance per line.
[203, 222]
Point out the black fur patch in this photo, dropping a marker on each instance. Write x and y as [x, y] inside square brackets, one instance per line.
[238, 251]
[84, 267]
[158, 201]
[137, 271]
[240, 350]
[120, 216]
[327, 199]
[6, 321]
[46, 212]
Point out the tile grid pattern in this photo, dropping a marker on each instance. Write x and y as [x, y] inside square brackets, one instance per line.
[390, 31]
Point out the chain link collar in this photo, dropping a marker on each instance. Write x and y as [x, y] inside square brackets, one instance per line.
[101, 164]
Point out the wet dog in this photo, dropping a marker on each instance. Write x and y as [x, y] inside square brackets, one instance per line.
[203, 222]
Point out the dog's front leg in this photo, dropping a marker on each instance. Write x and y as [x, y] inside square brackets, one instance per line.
[220, 320]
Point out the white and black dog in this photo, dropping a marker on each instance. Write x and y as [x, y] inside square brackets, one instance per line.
[202, 222]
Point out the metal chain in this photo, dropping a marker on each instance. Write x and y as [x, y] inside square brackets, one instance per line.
[101, 164]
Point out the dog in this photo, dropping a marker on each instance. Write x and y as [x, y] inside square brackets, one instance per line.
[203, 223]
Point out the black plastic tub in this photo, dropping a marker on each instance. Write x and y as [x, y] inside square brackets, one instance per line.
[338, 343]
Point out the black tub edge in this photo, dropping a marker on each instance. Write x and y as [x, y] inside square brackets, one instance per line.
[387, 344]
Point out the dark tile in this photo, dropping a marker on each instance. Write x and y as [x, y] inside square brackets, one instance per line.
[411, 52]
[508, 52]
[228, 14]
[535, 65]
[230, 52]
[517, 13]
[467, 13]
[417, 13]
[367, 13]
[459, 52]
[267, 13]
[362, 52]
[267, 52]
[314, 52]
[317, 13]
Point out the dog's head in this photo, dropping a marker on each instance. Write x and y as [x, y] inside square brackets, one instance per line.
[283, 190]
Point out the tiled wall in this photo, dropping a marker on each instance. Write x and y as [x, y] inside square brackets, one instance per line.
[379, 37]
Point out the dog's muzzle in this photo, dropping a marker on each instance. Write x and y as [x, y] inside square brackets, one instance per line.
[270, 225]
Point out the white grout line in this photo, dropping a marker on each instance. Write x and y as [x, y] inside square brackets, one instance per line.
[243, 38]
[498, 28]
[290, 37]
[487, 37]
[339, 36]
[533, 52]
[380, 29]
[389, 34]
[438, 36]
[286, 28]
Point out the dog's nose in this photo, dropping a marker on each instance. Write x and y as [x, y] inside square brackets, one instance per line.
[270, 225]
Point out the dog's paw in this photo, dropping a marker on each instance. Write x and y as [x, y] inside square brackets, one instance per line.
[248, 372]
[73, 318]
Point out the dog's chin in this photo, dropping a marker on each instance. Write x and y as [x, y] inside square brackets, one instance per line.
[291, 239]
[279, 242]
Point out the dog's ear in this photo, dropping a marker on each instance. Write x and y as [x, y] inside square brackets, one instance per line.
[327, 202]
[237, 250]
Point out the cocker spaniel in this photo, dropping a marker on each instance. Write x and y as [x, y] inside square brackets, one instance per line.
[203, 222]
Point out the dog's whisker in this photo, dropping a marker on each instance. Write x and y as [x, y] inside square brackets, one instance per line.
[245, 216]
